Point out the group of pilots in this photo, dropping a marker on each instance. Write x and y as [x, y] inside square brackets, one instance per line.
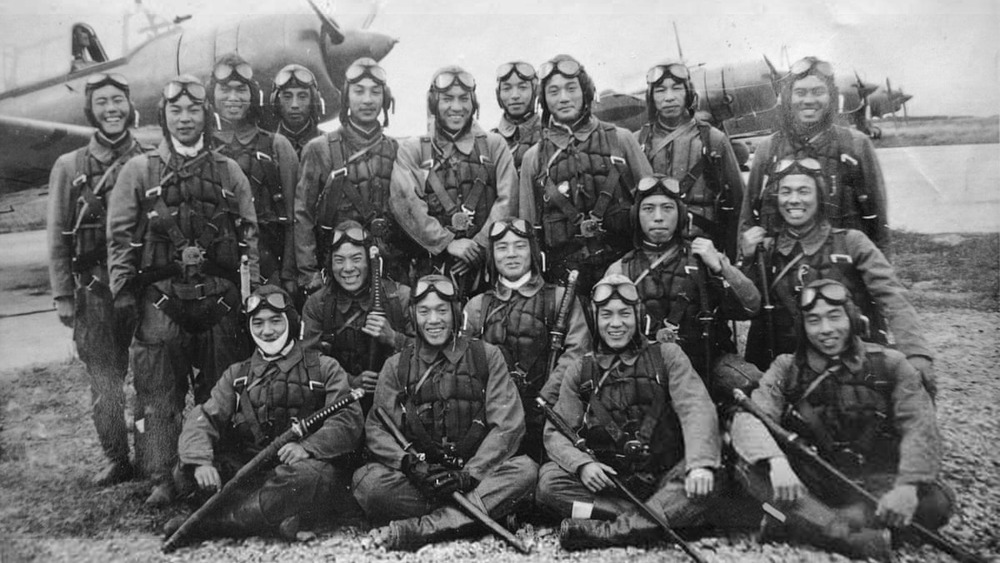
[467, 281]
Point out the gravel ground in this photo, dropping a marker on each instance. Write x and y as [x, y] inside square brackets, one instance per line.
[36, 524]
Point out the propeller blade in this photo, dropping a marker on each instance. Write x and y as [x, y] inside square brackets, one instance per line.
[677, 38]
[336, 35]
[775, 77]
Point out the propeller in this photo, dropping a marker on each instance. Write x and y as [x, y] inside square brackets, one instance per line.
[329, 24]
[775, 76]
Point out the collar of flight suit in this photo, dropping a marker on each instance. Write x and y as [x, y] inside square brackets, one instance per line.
[285, 363]
[509, 129]
[561, 134]
[811, 241]
[628, 357]
[531, 288]
[854, 361]
[453, 350]
[244, 132]
[464, 144]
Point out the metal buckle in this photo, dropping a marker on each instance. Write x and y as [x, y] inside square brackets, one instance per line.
[79, 180]
[222, 301]
[262, 156]
[192, 256]
[461, 220]
[90, 284]
[155, 191]
[338, 172]
[590, 227]
[618, 160]
[379, 227]
[159, 302]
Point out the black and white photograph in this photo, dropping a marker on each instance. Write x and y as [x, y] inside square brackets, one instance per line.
[424, 280]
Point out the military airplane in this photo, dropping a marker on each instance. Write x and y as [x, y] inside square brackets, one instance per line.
[742, 99]
[42, 120]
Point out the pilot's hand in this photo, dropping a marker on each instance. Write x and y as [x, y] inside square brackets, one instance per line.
[292, 452]
[464, 249]
[751, 238]
[315, 283]
[594, 476]
[207, 477]
[704, 248]
[377, 326]
[786, 484]
[368, 380]
[64, 308]
[700, 482]
[896, 508]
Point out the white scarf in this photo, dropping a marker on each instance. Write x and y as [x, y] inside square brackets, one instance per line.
[516, 284]
[187, 151]
[277, 347]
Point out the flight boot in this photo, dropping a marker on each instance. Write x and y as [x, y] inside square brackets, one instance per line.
[628, 529]
[246, 519]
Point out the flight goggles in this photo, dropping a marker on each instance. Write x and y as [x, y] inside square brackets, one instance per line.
[224, 72]
[524, 70]
[102, 79]
[354, 235]
[788, 166]
[604, 292]
[501, 228]
[443, 287]
[447, 79]
[180, 87]
[831, 292]
[673, 70]
[298, 73]
[802, 67]
[365, 67]
[649, 183]
[567, 68]
[273, 301]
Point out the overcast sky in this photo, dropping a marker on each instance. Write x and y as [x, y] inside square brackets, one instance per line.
[945, 53]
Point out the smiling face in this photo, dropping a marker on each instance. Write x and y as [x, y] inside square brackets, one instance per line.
[798, 199]
[434, 319]
[616, 323]
[185, 120]
[515, 95]
[349, 266]
[267, 325]
[454, 108]
[111, 107]
[365, 98]
[810, 99]
[658, 218]
[512, 256]
[232, 99]
[668, 98]
[828, 328]
[294, 104]
[564, 98]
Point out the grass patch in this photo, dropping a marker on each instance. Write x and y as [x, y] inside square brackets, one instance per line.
[939, 131]
[949, 270]
[48, 453]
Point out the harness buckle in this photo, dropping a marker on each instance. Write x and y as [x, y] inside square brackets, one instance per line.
[591, 227]
[461, 220]
[222, 301]
[79, 180]
[379, 227]
[192, 256]
[90, 284]
[155, 191]
[262, 156]
[618, 160]
[159, 302]
[338, 173]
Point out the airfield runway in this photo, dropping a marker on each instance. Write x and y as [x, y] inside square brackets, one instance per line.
[940, 189]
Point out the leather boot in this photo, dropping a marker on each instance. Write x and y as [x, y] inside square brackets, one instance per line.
[627, 529]
[113, 473]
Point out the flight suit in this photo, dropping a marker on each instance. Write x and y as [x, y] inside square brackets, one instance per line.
[575, 178]
[177, 229]
[477, 175]
[299, 138]
[479, 432]
[708, 173]
[253, 403]
[520, 323]
[77, 235]
[868, 414]
[520, 136]
[272, 167]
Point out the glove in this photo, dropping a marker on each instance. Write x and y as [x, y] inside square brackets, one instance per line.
[419, 473]
[897, 507]
[126, 308]
[447, 481]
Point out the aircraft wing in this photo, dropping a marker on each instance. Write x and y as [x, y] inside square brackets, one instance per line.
[29, 148]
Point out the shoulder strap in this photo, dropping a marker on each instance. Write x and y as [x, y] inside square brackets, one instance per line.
[337, 177]
[484, 151]
[243, 406]
[644, 135]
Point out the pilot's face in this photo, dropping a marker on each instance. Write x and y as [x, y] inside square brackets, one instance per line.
[349, 266]
[616, 323]
[185, 120]
[810, 99]
[434, 319]
[512, 256]
[111, 108]
[564, 98]
[827, 327]
[668, 98]
[797, 199]
[232, 99]
[365, 97]
[454, 108]
[515, 95]
[294, 104]
[658, 218]
[268, 325]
